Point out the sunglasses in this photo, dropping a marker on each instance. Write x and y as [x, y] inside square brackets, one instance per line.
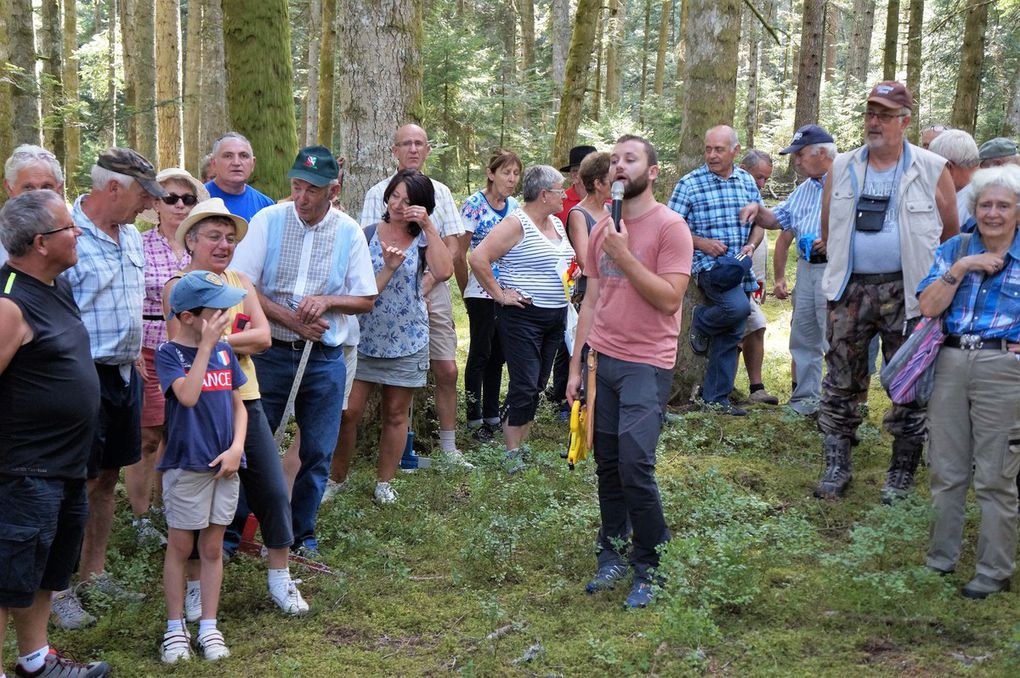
[189, 199]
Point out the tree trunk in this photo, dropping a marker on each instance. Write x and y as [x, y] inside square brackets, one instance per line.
[575, 80]
[862, 22]
[49, 53]
[214, 76]
[310, 117]
[527, 13]
[810, 69]
[660, 57]
[127, 30]
[596, 99]
[508, 72]
[193, 89]
[559, 19]
[754, 33]
[379, 83]
[614, 52]
[168, 81]
[831, 20]
[968, 78]
[111, 72]
[327, 74]
[6, 103]
[1011, 123]
[914, 66]
[892, 28]
[72, 132]
[143, 46]
[24, 86]
[681, 53]
[644, 64]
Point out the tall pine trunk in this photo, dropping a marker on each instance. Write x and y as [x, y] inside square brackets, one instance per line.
[52, 93]
[914, 66]
[127, 56]
[193, 89]
[72, 131]
[575, 80]
[6, 102]
[168, 81]
[327, 74]
[862, 23]
[681, 53]
[111, 70]
[24, 86]
[810, 70]
[892, 32]
[660, 56]
[143, 46]
[968, 78]
[527, 15]
[214, 76]
[614, 53]
[559, 20]
[379, 82]
[831, 29]
[1011, 123]
[311, 112]
[754, 32]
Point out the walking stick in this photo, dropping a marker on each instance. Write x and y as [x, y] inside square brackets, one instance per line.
[289, 409]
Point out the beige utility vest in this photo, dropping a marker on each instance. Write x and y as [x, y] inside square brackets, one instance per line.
[920, 224]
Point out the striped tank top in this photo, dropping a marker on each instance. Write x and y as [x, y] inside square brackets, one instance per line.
[535, 265]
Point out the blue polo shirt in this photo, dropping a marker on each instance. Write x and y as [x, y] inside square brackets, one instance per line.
[245, 205]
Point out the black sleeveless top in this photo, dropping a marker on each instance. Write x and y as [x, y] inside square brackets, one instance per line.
[49, 393]
[582, 282]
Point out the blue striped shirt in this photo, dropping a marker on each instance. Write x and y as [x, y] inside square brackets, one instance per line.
[988, 306]
[108, 283]
[802, 209]
[711, 207]
[534, 265]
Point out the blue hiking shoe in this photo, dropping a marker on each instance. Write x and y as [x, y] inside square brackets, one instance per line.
[640, 595]
[606, 577]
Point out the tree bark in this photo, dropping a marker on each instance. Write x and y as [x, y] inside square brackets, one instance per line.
[968, 79]
[72, 133]
[810, 69]
[644, 63]
[127, 30]
[24, 85]
[614, 52]
[1011, 123]
[214, 76]
[862, 23]
[660, 57]
[559, 19]
[6, 102]
[327, 75]
[575, 80]
[831, 20]
[754, 32]
[914, 66]
[379, 83]
[527, 15]
[681, 53]
[111, 72]
[892, 28]
[168, 81]
[193, 89]
[52, 94]
[600, 42]
[143, 47]
[311, 112]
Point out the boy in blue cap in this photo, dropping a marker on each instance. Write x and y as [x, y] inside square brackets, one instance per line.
[205, 428]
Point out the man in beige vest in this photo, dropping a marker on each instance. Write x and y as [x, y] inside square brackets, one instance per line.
[886, 207]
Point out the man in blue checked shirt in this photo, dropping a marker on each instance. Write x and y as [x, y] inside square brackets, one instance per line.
[714, 200]
[108, 287]
[800, 216]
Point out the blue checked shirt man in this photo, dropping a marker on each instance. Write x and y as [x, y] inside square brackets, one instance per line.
[713, 200]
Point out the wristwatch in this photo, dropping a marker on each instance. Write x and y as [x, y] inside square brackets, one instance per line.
[949, 279]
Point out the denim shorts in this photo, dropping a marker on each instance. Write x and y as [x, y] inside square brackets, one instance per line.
[41, 528]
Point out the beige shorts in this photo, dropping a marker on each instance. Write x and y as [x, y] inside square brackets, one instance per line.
[194, 500]
[351, 364]
[755, 319]
[442, 333]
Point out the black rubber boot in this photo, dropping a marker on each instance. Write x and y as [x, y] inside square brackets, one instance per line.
[838, 470]
[899, 479]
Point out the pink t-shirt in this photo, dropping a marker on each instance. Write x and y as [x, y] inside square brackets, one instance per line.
[626, 326]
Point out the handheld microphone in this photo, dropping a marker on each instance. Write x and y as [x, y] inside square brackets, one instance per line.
[616, 192]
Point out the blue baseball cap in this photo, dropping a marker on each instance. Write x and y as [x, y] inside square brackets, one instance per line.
[202, 289]
[807, 135]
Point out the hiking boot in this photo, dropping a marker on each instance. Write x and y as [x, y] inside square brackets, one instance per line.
[838, 470]
[724, 408]
[333, 488]
[513, 461]
[384, 493]
[483, 433]
[640, 595]
[193, 603]
[980, 587]
[211, 645]
[699, 340]
[288, 598]
[105, 585]
[58, 666]
[455, 459]
[899, 479]
[763, 397]
[176, 646]
[606, 577]
[67, 612]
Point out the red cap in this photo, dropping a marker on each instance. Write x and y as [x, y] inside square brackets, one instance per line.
[891, 94]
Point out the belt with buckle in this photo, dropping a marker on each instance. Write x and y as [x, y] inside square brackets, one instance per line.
[974, 342]
[876, 278]
[296, 345]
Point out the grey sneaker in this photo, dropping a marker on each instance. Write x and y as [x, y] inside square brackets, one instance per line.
[606, 577]
[67, 612]
[763, 397]
[105, 585]
[147, 532]
[333, 488]
[384, 493]
[455, 459]
[513, 461]
[57, 666]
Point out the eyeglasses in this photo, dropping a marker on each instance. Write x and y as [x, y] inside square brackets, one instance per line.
[561, 191]
[883, 116]
[69, 227]
[217, 238]
[188, 199]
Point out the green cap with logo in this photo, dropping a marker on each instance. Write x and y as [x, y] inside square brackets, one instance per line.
[316, 165]
[133, 164]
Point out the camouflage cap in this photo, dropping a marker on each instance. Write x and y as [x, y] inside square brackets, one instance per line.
[133, 164]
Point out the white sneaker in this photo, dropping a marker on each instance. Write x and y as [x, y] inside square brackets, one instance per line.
[455, 458]
[176, 646]
[193, 604]
[333, 488]
[288, 598]
[68, 613]
[384, 493]
[212, 646]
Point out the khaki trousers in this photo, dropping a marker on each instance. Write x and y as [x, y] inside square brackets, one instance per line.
[975, 405]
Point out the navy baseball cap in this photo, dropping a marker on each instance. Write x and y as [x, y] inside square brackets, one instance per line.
[807, 136]
[202, 289]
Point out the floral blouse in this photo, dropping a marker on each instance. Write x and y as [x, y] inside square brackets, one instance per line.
[398, 324]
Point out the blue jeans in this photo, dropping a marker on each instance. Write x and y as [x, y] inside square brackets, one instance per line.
[317, 409]
[723, 321]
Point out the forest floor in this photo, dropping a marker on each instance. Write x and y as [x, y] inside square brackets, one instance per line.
[482, 574]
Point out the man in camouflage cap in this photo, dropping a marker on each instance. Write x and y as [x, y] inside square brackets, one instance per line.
[108, 287]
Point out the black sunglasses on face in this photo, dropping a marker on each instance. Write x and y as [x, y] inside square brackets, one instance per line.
[189, 199]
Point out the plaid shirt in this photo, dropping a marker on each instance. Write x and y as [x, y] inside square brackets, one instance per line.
[988, 306]
[161, 264]
[108, 284]
[711, 207]
[446, 216]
